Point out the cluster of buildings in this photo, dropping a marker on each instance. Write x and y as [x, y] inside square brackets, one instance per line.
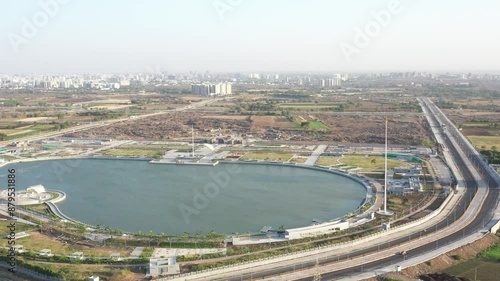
[403, 180]
[208, 89]
[157, 77]
[63, 82]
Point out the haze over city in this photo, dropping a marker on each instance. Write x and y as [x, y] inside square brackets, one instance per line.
[221, 35]
[249, 140]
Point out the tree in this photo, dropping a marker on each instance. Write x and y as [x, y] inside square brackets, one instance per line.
[82, 228]
[494, 148]
[3, 137]
[427, 142]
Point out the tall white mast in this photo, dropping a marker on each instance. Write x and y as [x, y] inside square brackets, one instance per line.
[385, 169]
[192, 139]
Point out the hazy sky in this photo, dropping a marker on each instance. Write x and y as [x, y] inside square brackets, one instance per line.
[248, 35]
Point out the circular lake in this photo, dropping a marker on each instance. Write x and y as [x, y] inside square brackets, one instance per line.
[231, 198]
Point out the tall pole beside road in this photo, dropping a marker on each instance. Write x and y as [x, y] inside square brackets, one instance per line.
[385, 169]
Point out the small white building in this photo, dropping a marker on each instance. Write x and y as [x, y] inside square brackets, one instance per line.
[19, 248]
[163, 266]
[45, 253]
[32, 195]
[76, 255]
[93, 278]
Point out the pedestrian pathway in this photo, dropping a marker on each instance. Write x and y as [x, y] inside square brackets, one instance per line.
[315, 155]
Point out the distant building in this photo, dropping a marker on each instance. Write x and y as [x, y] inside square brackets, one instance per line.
[331, 82]
[124, 83]
[207, 89]
[93, 278]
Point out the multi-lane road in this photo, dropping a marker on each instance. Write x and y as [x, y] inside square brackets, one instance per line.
[472, 209]
[465, 217]
[472, 171]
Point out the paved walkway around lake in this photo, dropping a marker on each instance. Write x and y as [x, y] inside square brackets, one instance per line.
[315, 155]
[172, 252]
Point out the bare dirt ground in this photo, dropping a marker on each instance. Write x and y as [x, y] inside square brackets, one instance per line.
[406, 130]
[371, 129]
[459, 116]
[259, 122]
[350, 129]
[169, 126]
[226, 117]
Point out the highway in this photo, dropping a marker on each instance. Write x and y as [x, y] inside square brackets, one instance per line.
[483, 195]
[477, 199]
[471, 182]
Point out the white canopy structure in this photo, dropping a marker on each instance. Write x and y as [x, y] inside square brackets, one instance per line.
[38, 189]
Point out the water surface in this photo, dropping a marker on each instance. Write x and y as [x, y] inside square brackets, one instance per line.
[138, 196]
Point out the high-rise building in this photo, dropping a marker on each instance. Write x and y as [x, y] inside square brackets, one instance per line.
[207, 89]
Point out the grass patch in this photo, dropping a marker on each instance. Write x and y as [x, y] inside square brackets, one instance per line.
[7, 157]
[82, 271]
[267, 156]
[13, 132]
[132, 152]
[4, 231]
[485, 141]
[485, 270]
[37, 241]
[361, 161]
[42, 127]
[477, 124]
[493, 253]
[315, 125]
[147, 252]
[27, 131]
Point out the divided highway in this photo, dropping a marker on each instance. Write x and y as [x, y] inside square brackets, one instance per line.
[477, 199]
[471, 180]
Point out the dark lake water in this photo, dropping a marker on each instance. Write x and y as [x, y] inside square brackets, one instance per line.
[138, 196]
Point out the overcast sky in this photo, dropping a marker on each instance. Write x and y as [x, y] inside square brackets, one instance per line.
[83, 36]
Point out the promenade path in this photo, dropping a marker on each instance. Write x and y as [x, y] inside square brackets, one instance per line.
[315, 155]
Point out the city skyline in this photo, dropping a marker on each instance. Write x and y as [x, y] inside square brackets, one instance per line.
[55, 36]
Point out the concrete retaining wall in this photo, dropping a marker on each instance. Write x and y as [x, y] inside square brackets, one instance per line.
[495, 227]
